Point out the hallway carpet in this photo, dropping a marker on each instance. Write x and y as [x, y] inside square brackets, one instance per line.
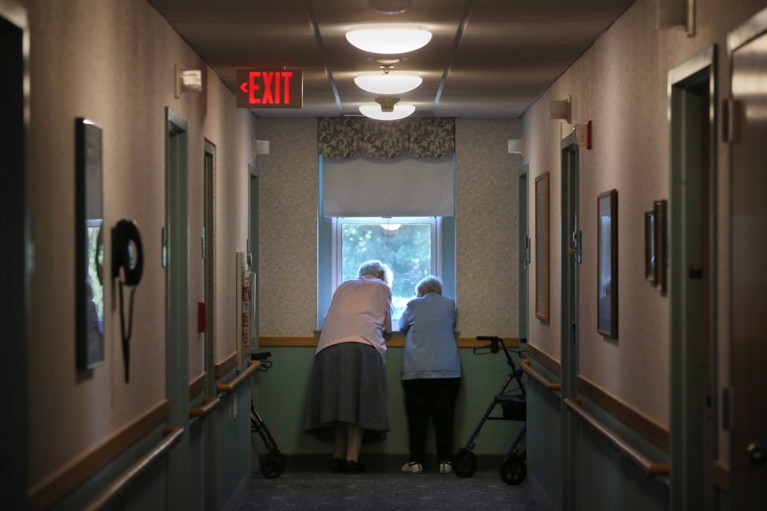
[381, 489]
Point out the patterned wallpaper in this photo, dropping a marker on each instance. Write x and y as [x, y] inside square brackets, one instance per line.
[486, 227]
[288, 187]
[487, 216]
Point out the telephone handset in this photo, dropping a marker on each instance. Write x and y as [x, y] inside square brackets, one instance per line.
[127, 252]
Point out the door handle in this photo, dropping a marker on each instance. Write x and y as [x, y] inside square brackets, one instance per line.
[756, 454]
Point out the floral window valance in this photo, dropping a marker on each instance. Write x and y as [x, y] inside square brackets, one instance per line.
[417, 137]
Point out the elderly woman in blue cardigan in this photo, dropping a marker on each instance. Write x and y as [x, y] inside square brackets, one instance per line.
[431, 372]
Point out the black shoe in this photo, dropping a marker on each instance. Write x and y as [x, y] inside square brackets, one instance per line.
[352, 467]
[338, 465]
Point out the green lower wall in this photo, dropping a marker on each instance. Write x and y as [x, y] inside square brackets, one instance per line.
[233, 464]
[605, 480]
[280, 396]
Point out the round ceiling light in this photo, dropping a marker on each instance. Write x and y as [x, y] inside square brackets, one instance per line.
[389, 40]
[391, 82]
[390, 6]
[374, 111]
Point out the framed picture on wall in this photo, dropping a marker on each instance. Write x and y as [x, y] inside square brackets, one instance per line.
[542, 247]
[89, 245]
[607, 264]
[661, 244]
[650, 268]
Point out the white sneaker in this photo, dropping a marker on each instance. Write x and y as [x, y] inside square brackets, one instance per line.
[445, 467]
[412, 467]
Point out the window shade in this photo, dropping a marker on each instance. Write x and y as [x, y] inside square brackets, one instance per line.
[403, 187]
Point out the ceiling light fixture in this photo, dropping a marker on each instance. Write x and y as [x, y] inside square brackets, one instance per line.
[390, 6]
[388, 40]
[390, 82]
[386, 109]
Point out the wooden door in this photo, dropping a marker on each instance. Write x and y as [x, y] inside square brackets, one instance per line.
[748, 354]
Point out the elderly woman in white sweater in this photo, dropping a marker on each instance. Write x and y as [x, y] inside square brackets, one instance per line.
[347, 386]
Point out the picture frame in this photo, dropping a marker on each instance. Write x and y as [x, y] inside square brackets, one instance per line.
[89, 245]
[650, 268]
[660, 209]
[542, 247]
[607, 264]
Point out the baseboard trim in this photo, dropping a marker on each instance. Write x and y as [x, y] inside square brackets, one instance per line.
[539, 496]
[378, 462]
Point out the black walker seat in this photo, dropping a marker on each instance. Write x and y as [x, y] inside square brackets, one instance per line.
[273, 462]
[513, 403]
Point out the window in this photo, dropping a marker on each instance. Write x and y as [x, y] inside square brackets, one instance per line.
[399, 211]
[408, 245]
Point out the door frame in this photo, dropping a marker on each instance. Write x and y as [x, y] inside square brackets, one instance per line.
[17, 258]
[524, 250]
[209, 265]
[570, 259]
[176, 260]
[693, 199]
[253, 247]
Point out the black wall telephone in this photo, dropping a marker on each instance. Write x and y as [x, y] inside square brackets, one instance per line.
[127, 252]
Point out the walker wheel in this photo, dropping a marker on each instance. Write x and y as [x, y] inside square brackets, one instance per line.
[272, 465]
[465, 463]
[513, 470]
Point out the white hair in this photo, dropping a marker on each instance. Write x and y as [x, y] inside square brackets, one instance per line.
[376, 269]
[429, 284]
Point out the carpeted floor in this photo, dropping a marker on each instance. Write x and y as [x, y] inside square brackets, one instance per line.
[382, 487]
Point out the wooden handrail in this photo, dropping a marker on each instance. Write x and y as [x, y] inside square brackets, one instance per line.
[640, 423]
[647, 466]
[230, 362]
[172, 435]
[393, 340]
[209, 403]
[240, 378]
[535, 375]
[46, 493]
[544, 359]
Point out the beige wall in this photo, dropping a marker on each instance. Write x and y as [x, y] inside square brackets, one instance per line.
[112, 62]
[486, 227]
[620, 84]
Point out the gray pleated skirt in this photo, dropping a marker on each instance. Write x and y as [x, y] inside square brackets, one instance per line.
[347, 384]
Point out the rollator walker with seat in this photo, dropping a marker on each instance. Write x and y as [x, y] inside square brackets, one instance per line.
[273, 462]
[513, 400]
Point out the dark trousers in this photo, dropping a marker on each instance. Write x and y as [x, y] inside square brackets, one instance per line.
[435, 398]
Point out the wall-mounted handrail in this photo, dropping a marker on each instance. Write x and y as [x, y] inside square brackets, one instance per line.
[648, 467]
[209, 403]
[172, 435]
[221, 368]
[538, 377]
[46, 493]
[240, 378]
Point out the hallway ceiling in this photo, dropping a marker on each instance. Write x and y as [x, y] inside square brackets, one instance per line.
[487, 58]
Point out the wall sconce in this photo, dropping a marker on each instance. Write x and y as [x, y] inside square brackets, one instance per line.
[187, 80]
[560, 109]
[583, 135]
[677, 14]
[516, 146]
[260, 147]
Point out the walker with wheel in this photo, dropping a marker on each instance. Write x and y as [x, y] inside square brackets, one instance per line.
[513, 400]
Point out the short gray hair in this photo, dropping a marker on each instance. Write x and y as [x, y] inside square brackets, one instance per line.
[429, 284]
[375, 269]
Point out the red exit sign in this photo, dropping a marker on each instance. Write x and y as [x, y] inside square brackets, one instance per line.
[269, 88]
